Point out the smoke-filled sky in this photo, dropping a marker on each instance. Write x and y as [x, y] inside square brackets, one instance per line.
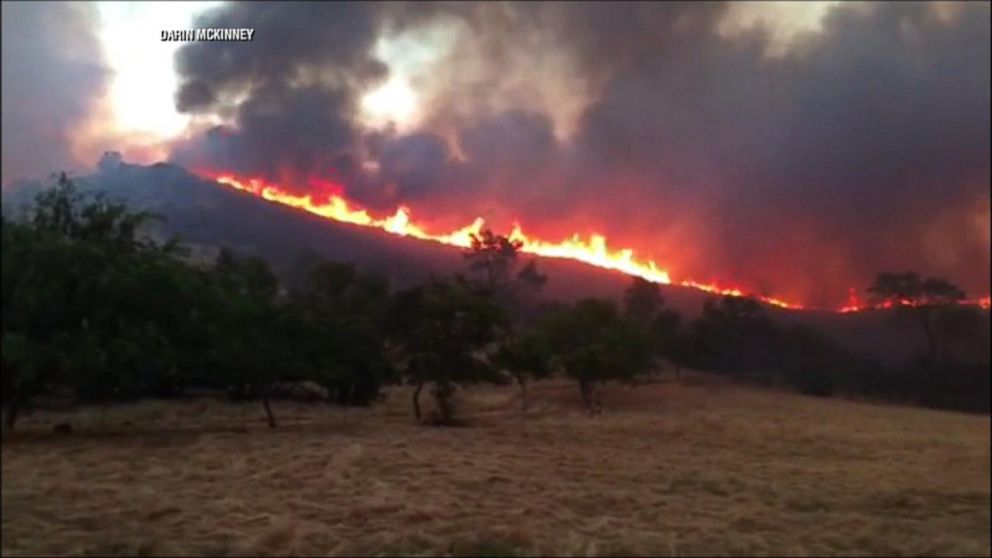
[795, 149]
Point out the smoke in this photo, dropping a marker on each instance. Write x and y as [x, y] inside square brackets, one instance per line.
[291, 92]
[53, 78]
[798, 171]
[802, 172]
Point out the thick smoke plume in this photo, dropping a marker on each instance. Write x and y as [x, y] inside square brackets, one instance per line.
[291, 93]
[862, 147]
[53, 77]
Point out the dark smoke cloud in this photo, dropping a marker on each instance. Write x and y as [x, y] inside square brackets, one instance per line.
[513, 146]
[853, 143]
[863, 148]
[291, 91]
[53, 75]
[415, 163]
[297, 41]
[289, 133]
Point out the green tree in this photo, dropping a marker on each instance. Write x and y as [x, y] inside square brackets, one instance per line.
[525, 355]
[441, 333]
[595, 343]
[65, 320]
[92, 304]
[244, 349]
[341, 315]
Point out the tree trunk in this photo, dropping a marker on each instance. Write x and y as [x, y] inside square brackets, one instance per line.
[443, 393]
[586, 388]
[928, 329]
[523, 393]
[416, 400]
[268, 408]
[938, 339]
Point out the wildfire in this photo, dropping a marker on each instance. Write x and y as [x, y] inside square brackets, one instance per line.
[853, 302]
[855, 305]
[592, 250]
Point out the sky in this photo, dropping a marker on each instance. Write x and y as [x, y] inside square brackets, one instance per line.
[794, 147]
[140, 89]
[141, 93]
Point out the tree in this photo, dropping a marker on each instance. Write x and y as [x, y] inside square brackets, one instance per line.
[642, 301]
[493, 256]
[66, 212]
[525, 355]
[522, 354]
[244, 350]
[494, 259]
[644, 305]
[441, 332]
[734, 333]
[932, 300]
[24, 365]
[595, 344]
[65, 320]
[91, 304]
[341, 313]
[327, 331]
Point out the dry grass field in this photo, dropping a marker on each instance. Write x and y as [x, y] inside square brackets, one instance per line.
[667, 469]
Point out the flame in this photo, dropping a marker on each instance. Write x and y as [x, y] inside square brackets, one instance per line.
[593, 250]
[854, 304]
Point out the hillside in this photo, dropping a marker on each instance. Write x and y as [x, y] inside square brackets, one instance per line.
[668, 470]
[207, 216]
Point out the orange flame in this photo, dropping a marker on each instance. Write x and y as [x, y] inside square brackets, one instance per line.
[854, 305]
[593, 250]
[853, 302]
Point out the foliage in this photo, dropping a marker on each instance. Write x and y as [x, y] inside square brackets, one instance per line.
[68, 314]
[734, 335]
[525, 355]
[92, 305]
[442, 331]
[522, 352]
[594, 343]
[933, 301]
[341, 313]
[644, 305]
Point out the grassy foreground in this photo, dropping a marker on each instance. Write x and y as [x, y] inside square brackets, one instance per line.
[699, 469]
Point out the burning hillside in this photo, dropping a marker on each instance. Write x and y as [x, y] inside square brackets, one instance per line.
[714, 146]
[593, 251]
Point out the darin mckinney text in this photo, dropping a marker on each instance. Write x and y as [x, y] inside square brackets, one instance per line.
[183, 35]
